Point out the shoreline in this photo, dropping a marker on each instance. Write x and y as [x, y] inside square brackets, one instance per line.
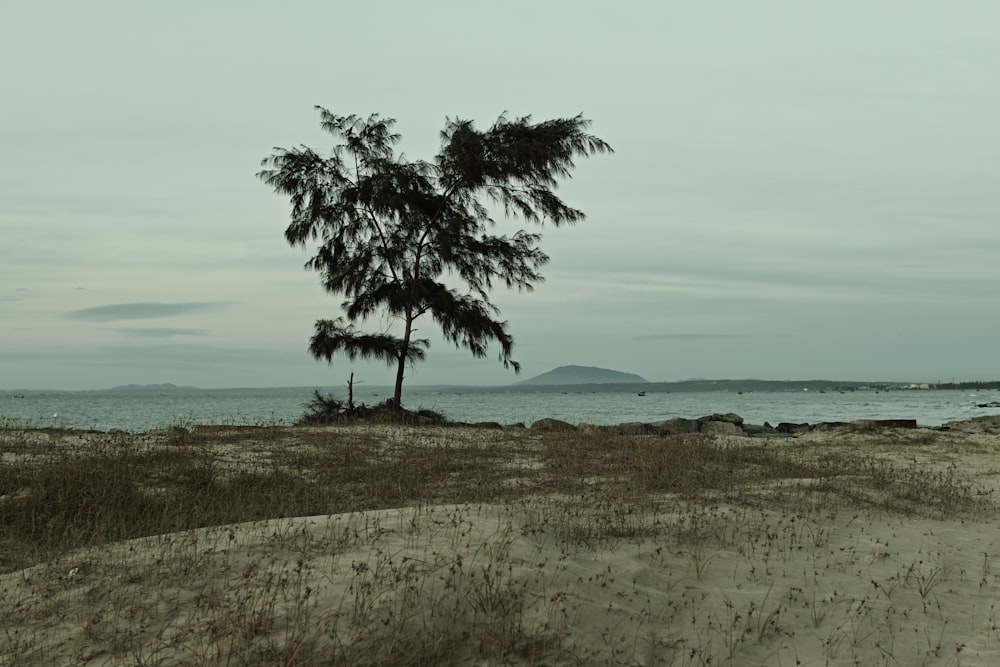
[139, 413]
[715, 424]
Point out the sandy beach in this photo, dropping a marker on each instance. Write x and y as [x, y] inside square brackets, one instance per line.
[854, 546]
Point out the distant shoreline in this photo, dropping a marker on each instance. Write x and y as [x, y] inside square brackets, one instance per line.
[654, 387]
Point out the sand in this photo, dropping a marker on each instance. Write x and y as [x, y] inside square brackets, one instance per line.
[542, 581]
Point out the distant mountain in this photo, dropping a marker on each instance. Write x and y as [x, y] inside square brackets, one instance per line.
[583, 375]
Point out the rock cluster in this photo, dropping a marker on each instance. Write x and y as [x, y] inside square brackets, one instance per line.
[733, 425]
[716, 424]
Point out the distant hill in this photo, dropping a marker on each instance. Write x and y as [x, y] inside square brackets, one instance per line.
[583, 375]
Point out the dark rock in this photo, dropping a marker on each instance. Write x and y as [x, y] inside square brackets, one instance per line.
[635, 428]
[887, 423]
[548, 424]
[676, 426]
[757, 429]
[720, 428]
[789, 427]
[729, 418]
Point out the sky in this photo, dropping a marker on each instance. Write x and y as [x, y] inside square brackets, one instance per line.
[800, 189]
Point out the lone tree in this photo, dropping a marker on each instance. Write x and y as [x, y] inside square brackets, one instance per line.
[390, 230]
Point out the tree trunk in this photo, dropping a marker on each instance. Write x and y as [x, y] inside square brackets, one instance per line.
[350, 393]
[404, 349]
[397, 397]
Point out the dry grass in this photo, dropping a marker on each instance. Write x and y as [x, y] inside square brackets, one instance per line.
[377, 588]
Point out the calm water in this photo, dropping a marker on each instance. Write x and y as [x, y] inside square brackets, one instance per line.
[141, 412]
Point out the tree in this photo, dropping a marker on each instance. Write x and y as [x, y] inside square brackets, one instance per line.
[389, 230]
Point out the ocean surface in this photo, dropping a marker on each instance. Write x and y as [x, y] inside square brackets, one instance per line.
[143, 411]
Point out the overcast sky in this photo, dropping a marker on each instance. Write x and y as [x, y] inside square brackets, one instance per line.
[800, 189]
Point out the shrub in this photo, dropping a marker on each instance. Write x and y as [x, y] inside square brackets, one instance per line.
[326, 409]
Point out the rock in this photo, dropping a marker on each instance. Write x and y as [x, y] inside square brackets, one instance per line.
[728, 418]
[758, 429]
[887, 423]
[790, 427]
[635, 428]
[676, 426]
[720, 428]
[548, 424]
[628, 428]
[720, 424]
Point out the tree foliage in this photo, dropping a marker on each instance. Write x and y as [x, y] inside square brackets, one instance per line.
[389, 231]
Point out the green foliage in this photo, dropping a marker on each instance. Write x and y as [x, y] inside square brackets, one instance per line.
[389, 230]
[323, 409]
[328, 409]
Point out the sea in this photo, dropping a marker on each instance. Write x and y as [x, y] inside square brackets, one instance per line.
[146, 410]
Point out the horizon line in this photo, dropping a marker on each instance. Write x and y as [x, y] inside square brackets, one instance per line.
[520, 385]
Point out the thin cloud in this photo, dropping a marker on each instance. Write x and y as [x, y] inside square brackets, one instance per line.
[166, 355]
[162, 332]
[684, 336]
[138, 311]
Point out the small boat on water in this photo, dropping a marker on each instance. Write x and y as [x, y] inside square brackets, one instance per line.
[642, 393]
